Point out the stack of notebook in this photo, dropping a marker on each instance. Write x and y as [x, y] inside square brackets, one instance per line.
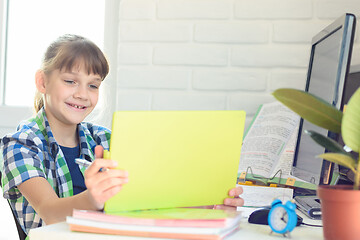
[178, 223]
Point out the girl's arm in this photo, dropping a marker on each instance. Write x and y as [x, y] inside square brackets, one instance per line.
[47, 204]
[100, 187]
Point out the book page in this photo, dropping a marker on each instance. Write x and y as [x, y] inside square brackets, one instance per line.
[285, 161]
[266, 139]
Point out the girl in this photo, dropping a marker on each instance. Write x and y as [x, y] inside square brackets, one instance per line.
[40, 178]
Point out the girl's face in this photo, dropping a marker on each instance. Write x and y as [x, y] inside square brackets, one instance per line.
[70, 96]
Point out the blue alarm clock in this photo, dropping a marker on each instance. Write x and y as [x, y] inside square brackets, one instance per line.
[282, 218]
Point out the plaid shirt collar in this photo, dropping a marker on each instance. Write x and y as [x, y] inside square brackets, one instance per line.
[44, 127]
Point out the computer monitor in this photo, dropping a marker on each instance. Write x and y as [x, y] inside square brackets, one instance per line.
[327, 73]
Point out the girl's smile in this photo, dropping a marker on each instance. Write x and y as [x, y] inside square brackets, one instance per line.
[76, 106]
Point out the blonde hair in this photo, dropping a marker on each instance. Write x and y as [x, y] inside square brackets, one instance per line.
[68, 51]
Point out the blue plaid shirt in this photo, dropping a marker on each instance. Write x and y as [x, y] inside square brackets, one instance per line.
[33, 152]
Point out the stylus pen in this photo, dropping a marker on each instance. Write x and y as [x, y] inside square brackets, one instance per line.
[84, 163]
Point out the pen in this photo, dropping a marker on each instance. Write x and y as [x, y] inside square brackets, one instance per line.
[84, 163]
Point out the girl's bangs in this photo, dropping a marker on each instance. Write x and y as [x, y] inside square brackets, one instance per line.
[84, 55]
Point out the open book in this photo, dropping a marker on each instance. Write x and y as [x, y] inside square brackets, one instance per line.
[182, 223]
[268, 148]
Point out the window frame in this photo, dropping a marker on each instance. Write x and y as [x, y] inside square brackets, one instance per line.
[3, 32]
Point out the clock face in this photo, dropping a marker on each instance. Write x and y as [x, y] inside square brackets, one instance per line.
[279, 218]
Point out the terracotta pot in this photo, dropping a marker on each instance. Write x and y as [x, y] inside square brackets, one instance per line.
[340, 207]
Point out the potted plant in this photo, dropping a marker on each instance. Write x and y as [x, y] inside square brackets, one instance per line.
[340, 204]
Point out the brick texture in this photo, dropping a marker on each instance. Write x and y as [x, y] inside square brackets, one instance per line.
[198, 9]
[217, 54]
[274, 9]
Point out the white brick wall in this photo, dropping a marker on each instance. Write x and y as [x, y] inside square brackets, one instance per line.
[273, 9]
[328, 9]
[194, 9]
[149, 78]
[270, 56]
[232, 32]
[154, 32]
[229, 80]
[138, 9]
[217, 54]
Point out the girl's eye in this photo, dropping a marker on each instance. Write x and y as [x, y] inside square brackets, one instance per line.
[93, 86]
[69, 81]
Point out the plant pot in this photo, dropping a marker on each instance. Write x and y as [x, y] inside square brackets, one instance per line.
[340, 207]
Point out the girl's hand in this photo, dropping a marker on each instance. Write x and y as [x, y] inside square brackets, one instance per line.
[232, 203]
[102, 185]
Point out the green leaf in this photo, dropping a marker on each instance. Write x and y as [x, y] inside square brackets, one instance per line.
[311, 108]
[341, 159]
[351, 123]
[327, 143]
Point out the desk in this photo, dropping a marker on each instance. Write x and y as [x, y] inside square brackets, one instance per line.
[60, 231]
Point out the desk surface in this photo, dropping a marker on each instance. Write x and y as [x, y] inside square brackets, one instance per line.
[60, 231]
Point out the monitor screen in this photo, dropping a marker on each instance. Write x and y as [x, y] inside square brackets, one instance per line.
[328, 68]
